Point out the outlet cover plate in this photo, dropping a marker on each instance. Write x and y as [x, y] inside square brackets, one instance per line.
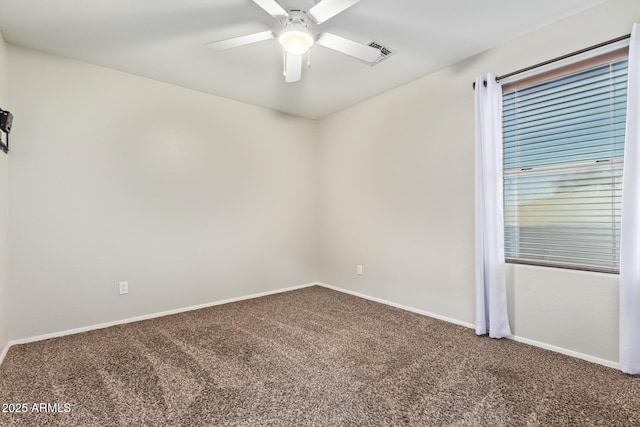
[123, 288]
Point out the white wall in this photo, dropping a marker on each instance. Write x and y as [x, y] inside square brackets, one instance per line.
[190, 197]
[397, 196]
[4, 168]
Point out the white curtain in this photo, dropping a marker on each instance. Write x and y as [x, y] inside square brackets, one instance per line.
[630, 227]
[491, 289]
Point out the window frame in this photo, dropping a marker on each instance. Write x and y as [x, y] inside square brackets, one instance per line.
[540, 78]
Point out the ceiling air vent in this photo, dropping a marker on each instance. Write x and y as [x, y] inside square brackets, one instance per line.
[385, 52]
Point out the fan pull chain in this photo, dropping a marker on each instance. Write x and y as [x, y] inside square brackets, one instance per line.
[284, 62]
[309, 60]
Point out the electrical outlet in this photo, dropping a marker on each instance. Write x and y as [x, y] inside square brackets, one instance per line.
[123, 287]
[360, 273]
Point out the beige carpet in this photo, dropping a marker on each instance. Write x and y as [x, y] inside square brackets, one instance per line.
[307, 357]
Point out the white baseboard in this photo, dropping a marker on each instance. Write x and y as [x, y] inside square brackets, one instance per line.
[528, 341]
[567, 352]
[149, 316]
[400, 306]
[4, 352]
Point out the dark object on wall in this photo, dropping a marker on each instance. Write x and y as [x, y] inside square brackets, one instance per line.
[6, 119]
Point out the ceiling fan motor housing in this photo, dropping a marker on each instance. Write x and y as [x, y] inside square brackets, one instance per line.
[300, 16]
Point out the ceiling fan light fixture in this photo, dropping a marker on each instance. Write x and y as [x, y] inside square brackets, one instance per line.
[296, 39]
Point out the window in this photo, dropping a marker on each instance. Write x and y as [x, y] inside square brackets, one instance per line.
[563, 153]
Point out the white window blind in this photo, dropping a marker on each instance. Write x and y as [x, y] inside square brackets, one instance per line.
[563, 153]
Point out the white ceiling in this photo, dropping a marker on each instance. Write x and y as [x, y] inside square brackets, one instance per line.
[165, 40]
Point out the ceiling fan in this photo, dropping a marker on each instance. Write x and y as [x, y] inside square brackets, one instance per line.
[297, 35]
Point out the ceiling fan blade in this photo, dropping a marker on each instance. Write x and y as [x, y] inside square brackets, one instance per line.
[327, 9]
[272, 8]
[349, 47]
[293, 68]
[241, 41]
